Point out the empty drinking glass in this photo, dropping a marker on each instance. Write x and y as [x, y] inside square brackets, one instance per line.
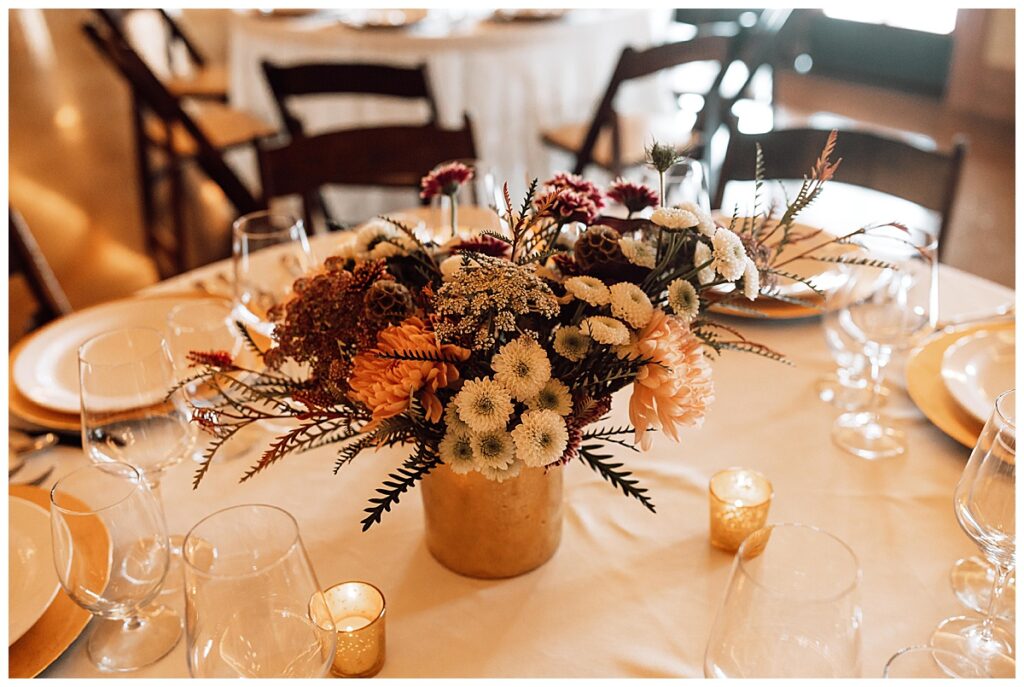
[684, 182]
[984, 502]
[791, 608]
[901, 304]
[111, 552]
[270, 252]
[253, 606]
[480, 193]
[927, 662]
[972, 578]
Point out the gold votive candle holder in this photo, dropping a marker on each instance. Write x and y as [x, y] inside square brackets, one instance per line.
[358, 612]
[739, 500]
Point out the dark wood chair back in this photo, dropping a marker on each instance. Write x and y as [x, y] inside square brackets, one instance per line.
[115, 19]
[634, 64]
[287, 82]
[901, 168]
[27, 259]
[394, 156]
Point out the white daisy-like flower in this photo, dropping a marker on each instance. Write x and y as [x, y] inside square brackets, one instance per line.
[522, 367]
[631, 304]
[540, 438]
[501, 474]
[554, 396]
[452, 419]
[457, 450]
[638, 252]
[606, 330]
[378, 239]
[571, 343]
[729, 255]
[483, 404]
[702, 256]
[751, 280]
[675, 218]
[706, 224]
[683, 300]
[493, 449]
[589, 289]
[451, 267]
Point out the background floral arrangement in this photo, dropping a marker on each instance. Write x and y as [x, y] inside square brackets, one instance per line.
[501, 351]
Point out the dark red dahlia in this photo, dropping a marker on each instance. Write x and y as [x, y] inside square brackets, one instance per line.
[445, 179]
[570, 198]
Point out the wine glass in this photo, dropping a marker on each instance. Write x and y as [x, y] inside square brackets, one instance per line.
[984, 502]
[902, 303]
[128, 414]
[111, 553]
[270, 252]
[253, 606]
[684, 182]
[928, 662]
[972, 578]
[791, 608]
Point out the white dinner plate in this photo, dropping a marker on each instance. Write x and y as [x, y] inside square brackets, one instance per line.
[977, 368]
[32, 581]
[46, 372]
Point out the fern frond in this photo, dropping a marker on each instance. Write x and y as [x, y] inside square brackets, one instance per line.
[611, 473]
[399, 482]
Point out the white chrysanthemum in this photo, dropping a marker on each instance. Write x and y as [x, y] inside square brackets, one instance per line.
[378, 239]
[683, 300]
[540, 438]
[493, 449]
[729, 255]
[606, 330]
[706, 224]
[522, 367]
[702, 256]
[502, 474]
[675, 218]
[554, 396]
[483, 404]
[631, 304]
[452, 419]
[451, 267]
[751, 280]
[638, 252]
[457, 450]
[571, 343]
[589, 289]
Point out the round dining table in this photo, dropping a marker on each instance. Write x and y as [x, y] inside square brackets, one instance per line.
[629, 593]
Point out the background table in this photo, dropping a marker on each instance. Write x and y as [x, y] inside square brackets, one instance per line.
[629, 593]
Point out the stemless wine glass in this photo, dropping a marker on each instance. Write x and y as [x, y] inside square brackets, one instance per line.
[111, 553]
[984, 502]
[128, 416]
[928, 662]
[253, 606]
[270, 252]
[902, 304]
[791, 608]
[686, 182]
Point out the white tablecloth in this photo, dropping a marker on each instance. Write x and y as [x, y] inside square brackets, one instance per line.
[629, 593]
[513, 79]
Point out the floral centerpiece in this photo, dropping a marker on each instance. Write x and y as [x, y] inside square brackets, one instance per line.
[501, 352]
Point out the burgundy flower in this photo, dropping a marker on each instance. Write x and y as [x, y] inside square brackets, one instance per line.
[635, 197]
[482, 243]
[570, 198]
[445, 179]
[218, 359]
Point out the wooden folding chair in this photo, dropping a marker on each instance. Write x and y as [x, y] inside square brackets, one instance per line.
[27, 259]
[393, 156]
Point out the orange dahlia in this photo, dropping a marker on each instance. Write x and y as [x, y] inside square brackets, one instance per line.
[675, 387]
[387, 386]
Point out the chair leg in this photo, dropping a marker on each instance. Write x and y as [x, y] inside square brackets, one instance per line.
[145, 173]
[177, 256]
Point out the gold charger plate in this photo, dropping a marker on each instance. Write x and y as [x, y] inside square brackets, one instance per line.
[928, 391]
[63, 620]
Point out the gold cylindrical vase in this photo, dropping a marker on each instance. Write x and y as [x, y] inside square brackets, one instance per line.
[487, 529]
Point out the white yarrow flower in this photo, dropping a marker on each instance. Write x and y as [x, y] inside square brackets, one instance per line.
[702, 256]
[493, 449]
[589, 289]
[554, 396]
[605, 330]
[457, 450]
[631, 304]
[522, 367]
[637, 252]
[450, 267]
[483, 404]
[540, 438]
[729, 255]
[751, 280]
[675, 218]
[683, 300]
[706, 224]
[571, 343]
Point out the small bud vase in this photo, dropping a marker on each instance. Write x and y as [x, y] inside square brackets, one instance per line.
[487, 529]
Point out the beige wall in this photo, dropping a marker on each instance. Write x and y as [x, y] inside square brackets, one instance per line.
[981, 78]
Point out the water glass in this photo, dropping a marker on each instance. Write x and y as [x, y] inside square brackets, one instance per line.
[253, 606]
[985, 504]
[926, 662]
[112, 554]
[270, 252]
[480, 192]
[684, 182]
[791, 608]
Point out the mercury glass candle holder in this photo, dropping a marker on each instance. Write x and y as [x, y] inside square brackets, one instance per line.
[358, 612]
[739, 500]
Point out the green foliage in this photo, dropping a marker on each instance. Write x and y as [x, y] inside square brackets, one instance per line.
[611, 472]
[423, 460]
